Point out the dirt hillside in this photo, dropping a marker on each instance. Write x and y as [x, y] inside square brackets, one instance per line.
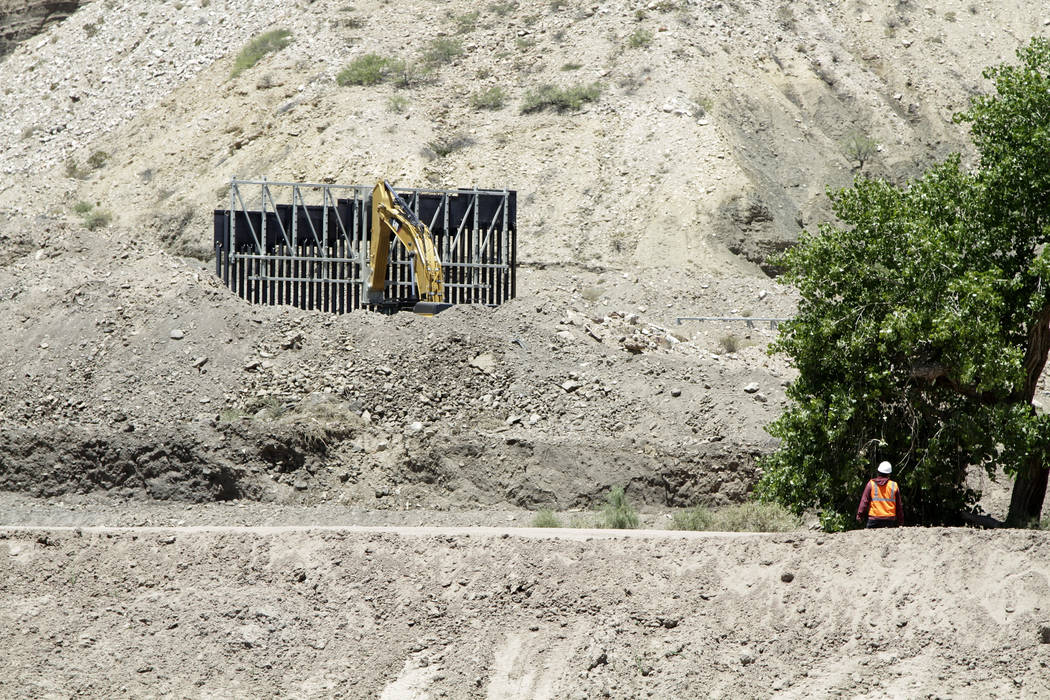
[138, 391]
[478, 614]
[129, 369]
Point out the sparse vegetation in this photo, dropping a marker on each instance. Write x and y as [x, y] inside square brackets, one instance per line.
[571, 66]
[617, 513]
[407, 75]
[96, 219]
[442, 50]
[546, 518]
[503, 8]
[559, 99]
[258, 48]
[83, 207]
[492, 98]
[729, 343]
[97, 160]
[370, 69]
[75, 171]
[639, 39]
[743, 517]
[397, 104]
[441, 147]
[466, 22]
[702, 104]
[949, 16]
[860, 147]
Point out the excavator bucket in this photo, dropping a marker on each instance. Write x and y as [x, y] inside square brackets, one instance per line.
[429, 308]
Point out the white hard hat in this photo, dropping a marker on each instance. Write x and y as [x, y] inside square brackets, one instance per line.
[885, 468]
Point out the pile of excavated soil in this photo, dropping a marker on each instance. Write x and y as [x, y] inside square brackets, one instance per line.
[135, 372]
[531, 614]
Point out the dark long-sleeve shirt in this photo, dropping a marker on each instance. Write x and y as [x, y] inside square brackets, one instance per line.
[865, 501]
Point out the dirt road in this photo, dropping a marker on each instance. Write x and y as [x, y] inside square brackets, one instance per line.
[455, 612]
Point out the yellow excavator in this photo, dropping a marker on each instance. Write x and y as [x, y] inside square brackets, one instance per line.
[391, 215]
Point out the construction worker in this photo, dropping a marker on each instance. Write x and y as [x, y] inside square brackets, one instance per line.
[881, 501]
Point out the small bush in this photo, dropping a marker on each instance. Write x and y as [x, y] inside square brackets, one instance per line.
[701, 106]
[259, 47]
[640, 39]
[744, 517]
[75, 171]
[559, 99]
[83, 207]
[97, 160]
[729, 343]
[493, 98]
[571, 66]
[447, 145]
[442, 50]
[503, 8]
[96, 219]
[617, 514]
[546, 518]
[370, 69]
[466, 22]
[397, 104]
[860, 147]
[406, 75]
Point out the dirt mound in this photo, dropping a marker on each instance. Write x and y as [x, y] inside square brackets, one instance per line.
[480, 614]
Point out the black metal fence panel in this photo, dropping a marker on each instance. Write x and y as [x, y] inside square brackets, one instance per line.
[314, 254]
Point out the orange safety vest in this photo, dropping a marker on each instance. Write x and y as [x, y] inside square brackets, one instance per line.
[883, 500]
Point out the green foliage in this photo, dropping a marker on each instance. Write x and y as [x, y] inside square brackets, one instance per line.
[743, 517]
[546, 518]
[466, 22]
[559, 99]
[640, 38]
[96, 219]
[860, 147]
[571, 66]
[442, 50]
[75, 171]
[729, 343]
[397, 104]
[97, 160]
[370, 69]
[916, 338]
[269, 42]
[447, 145]
[493, 98]
[617, 512]
[83, 207]
[504, 7]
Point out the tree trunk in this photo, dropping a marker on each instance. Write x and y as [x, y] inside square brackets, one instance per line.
[1026, 501]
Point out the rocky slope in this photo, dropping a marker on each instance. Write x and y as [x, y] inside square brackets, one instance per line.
[718, 125]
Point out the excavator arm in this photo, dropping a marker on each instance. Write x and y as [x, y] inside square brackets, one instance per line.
[391, 216]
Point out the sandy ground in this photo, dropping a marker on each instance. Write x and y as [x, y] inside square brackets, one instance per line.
[506, 613]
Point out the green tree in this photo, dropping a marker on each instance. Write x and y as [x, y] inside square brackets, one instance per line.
[924, 324]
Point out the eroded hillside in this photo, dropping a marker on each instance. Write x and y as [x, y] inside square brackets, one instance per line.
[716, 128]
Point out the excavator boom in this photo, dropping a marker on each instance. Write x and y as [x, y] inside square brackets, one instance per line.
[391, 216]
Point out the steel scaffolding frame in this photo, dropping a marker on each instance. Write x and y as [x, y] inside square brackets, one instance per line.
[314, 251]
